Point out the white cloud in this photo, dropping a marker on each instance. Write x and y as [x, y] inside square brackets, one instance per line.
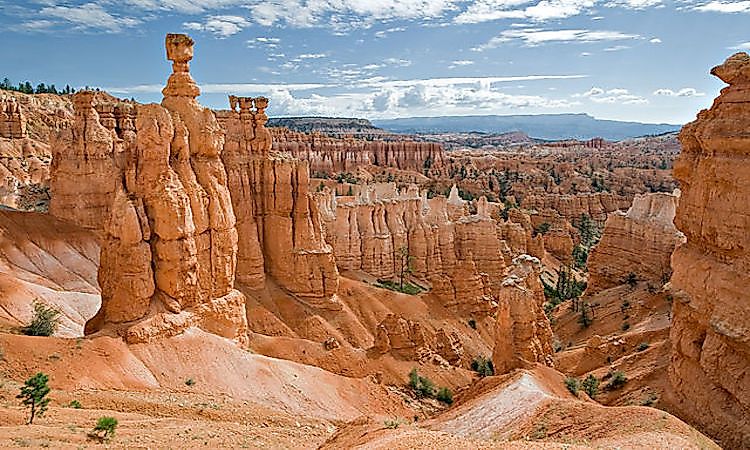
[224, 88]
[489, 10]
[220, 26]
[743, 46]
[312, 55]
[655, 41]
[684, 92]
[536, 36]
[612, 96]
[725, 7]
[88, 16]
[634, 4]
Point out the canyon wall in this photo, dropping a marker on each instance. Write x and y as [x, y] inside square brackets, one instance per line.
[640, 241]
[281, 233]
[711, 311]
[331, 155]
[461, 256]
[571, 207]
[12, 120]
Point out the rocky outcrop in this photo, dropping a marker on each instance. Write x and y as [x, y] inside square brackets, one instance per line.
[710, 331]
[169, 249]
[571, 207]
[12, 120]
[640, 242]
[331, 155]
[409, 340]
[522, 330]
[279, 223]
[461, 259]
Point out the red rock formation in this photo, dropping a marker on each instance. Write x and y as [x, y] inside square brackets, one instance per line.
[522, 331]
[279, 224]
[640, 242]
[710, 346]
[597, 206]
[12, 121]
[169, 251]
[329, 154]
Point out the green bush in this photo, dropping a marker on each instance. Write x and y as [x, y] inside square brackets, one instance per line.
[625, 326]
[423, 387]
[473, 324]
[631, 279]
[618, 380]
[483, 366]
[642, 346]
[105, 428]
[410, 289]
[590, 385]
[45, 321]
[392, 424]
[542, 228]
[445, 395]
[75, 404]
[189, 382]
[572, 384]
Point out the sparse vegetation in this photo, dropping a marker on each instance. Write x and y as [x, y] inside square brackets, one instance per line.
[650, 399]
[189, 382]
[483, 366]
[104, 430]
[590, 385]
[642, 346]
[34, 395]
[542, 228]
[473, 324]
[407, 288]
[45, 321]
[75, 404]
[566, 288]
[422, 386]
[580, 256]
[589, 231]
[625, 326]
[445, 395]
[572, 384]
[586, 316]
[631, 279]
[617, 380]
[392, 424]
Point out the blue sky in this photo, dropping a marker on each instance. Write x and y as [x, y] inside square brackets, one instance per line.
[643, 60]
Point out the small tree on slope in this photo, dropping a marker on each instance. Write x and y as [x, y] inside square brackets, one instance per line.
[34, 394]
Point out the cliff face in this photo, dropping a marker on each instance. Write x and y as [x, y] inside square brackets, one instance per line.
[462, 256]
[12, 120]
[711, 327]
[596, 206]
[330, 155]
[170, 243]
[640, 242]
[522, 330]
[278, 219]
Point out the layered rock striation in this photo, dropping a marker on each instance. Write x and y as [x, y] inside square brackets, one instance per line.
[278, 219]
[711, 326]
[331, 155]
[522, 330]
[461, 256]
[571, 207]
[638, 242]
[12, 120]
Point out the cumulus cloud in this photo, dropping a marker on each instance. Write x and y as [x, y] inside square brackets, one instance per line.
[88, 16]
[725, 7]
[489, 10]
[655, 40]
[535, 36]
[220, 26]
[612, 96]
[684, 92]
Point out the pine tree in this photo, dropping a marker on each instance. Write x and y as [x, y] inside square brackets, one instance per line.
[34, 394]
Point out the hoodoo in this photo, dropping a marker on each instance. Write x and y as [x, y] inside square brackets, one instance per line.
[711, 325]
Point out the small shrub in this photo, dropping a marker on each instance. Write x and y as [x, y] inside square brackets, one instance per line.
[642, 346]
[473, 324]
[483, 366]
[585, 319]
[590, 386]
[45, 321]
[650, 399]
[625, 326]
[631, 279]
[189, 382]
[445, 395]
[618, 380]
[75, 404]
[572, 384]
[392, 424]
[104, 429]
[542, 228]
[422, 386]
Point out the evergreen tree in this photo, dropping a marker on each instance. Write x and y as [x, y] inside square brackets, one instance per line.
[34, 394]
